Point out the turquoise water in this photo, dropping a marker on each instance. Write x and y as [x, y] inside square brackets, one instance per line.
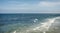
[29, 23]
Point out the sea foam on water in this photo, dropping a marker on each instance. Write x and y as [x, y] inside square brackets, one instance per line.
[50, 23]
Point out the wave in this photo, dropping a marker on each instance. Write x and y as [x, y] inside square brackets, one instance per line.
[50, 25]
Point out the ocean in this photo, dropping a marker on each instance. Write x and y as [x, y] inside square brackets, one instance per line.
[29, 23]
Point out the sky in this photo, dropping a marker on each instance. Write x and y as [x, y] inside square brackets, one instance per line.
[29, 6]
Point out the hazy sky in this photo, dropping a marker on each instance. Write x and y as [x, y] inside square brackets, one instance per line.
[29, 6]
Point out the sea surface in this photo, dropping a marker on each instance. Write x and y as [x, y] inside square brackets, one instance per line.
[29, 23]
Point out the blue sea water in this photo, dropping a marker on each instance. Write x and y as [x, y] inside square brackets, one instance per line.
[21, 23]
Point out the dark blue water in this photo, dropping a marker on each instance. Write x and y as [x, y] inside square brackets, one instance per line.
[10, 22]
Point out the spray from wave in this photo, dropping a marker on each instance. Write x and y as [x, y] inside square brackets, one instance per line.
[50, 25]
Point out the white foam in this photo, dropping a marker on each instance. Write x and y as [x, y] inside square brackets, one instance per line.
[35, 20]
[43, 27]
[14, 32]
[46, 25]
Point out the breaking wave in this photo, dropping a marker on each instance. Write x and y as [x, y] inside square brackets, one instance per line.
[48, 25]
